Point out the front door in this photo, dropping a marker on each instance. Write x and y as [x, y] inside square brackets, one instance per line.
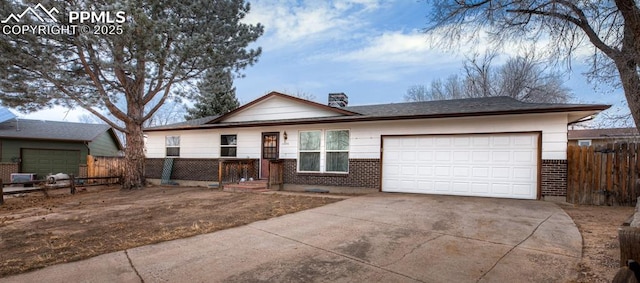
[270, 151]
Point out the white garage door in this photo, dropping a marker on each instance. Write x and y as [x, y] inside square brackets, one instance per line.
[487, 165]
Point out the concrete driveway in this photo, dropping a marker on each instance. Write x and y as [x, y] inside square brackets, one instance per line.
[374, 238]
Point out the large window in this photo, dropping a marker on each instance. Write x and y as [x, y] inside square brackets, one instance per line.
[337, 151]
[324, 151]
[310, 151]
[228, 145]
[172, 145]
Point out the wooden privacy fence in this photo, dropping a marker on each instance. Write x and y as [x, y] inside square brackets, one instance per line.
[102, 166]
[276, 174]
[233, 170]
[603, 175]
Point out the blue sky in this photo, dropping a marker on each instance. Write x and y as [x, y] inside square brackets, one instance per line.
[371, 50]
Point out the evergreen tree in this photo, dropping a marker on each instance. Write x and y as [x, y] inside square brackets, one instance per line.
[153, 47]
[217, 95]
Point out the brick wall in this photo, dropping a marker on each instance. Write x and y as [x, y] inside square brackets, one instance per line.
[6, 169]
[362, 173]
[193, 169]
[554, 177]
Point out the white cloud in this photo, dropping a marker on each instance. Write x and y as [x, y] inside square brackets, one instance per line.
[392, 46]
[290, 23]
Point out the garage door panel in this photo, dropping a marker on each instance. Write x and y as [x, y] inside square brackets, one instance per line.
[462, 141]
[461, 187]
[425, 155]
[443, 156]
[45, 161]
[480, 188]
[442, 171]
[442, 142]
[521, 189]
[481, 141]
[460, 171]
[523, 173]
[500, 188]
[441, 186]
[480, 156]
[461, 156]
[501, 156]
[408, 156]
[494, 165]
[480, 172]
[500, 173]
[425, 171]
[523, 156]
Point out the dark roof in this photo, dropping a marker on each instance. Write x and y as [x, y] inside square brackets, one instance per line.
[413, 110]
[51, 130]
[610, 133]
[456, 106]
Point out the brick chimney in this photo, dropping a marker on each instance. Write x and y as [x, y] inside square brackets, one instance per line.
[338, 100]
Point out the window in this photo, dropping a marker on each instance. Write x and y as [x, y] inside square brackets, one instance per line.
[228, 145]
[337, 150]
[332, 157]
[172, 144]
[309, 151]
[584, 142]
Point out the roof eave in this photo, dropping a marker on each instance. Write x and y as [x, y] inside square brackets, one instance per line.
[274, 93]
[595, 108]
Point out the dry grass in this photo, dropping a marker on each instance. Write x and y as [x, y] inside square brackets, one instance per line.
[38, 231]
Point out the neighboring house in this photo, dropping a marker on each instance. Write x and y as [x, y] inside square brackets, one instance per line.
[44, 147]
[588, 137]
[494, 147]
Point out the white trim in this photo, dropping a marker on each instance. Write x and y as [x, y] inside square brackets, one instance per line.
[584, 142]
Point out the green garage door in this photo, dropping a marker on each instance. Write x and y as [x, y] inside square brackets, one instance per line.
[46, 161]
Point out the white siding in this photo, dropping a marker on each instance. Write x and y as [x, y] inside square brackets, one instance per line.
[366, 136]
[276, 108]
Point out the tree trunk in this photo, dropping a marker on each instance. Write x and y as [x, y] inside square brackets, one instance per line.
[134, 158]
[631, 85]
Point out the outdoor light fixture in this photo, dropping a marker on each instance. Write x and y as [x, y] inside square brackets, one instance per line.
[285, 135]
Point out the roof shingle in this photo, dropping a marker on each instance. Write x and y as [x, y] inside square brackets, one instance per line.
[411, 110]
[51, 130]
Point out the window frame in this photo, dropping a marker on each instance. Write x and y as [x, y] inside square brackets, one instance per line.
[300, 151]
[167, 146]
[588, 142]
[326, 158]
[229, 146]
[322, 151]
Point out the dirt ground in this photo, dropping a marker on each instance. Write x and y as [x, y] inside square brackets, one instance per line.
[36, 231]
[600, 247]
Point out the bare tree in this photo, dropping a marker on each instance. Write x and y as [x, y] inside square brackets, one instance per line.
[301, 94]
[522, 78]
[612, 27]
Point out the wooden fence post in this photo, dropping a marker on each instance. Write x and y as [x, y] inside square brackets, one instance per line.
[629, 244]
[73, 184]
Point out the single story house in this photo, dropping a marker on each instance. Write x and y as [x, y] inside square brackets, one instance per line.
[493, 147]
[44, 147]
[596, 137]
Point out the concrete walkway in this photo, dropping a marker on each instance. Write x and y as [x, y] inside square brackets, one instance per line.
[374, 238]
